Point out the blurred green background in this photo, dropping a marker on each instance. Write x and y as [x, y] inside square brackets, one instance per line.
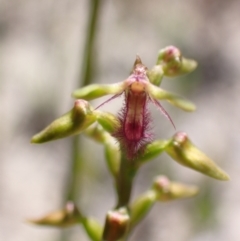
[41, 48]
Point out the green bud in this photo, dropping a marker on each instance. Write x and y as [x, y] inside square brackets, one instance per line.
[172, 62]
[111, 146]
[112, 154]
[116, 224]
[188, 65]
[153, 150]
[61, 218]
[94, 91]
[72, 123]
[108, 121]
[96, 133]
[168, 191]
[93, 228]
[176, 100]
[155, 75]
[184, 152]
[141, 206]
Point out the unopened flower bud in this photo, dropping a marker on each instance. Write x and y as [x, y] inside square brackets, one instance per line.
[168, 190]
[141, 206]
[112, 154]
[116, 225]
[162, 190]
[156, 74]
[153, 150]
[72, 123]
[172, 62]
[61, 218]
[96, 133]
[188, 65]
[93, 228]
[112, 149]
[184, 152]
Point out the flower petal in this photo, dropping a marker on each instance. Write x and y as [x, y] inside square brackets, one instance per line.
[176, 100]
[94, 91]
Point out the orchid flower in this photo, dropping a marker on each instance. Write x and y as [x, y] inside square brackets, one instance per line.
[133, 133]
[130, 131]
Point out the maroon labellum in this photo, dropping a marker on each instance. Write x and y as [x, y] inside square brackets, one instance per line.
[135, 119]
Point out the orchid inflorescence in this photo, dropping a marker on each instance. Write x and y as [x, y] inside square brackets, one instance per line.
[129, 143]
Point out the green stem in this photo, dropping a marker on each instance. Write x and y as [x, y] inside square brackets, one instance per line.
[85, 78]
[74, 187]
[124, 181]
[88, 56]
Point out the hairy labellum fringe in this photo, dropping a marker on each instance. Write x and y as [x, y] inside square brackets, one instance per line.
[134, 131]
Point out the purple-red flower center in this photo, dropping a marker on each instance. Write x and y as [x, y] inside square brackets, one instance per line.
[135, 111]
[133, 133]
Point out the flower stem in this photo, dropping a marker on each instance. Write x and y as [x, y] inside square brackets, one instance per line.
[125, 181]
[88, 56]
[85, 78]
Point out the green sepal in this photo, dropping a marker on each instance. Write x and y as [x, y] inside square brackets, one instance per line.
[176, 100]
[182, 150]
[72, 123]
[94, 91]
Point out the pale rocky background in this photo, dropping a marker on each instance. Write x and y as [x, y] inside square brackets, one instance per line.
[41, 45]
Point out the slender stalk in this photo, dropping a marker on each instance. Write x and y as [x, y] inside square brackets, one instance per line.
[85, 78]
[74, 188]
[125, 181]
[88, 56]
